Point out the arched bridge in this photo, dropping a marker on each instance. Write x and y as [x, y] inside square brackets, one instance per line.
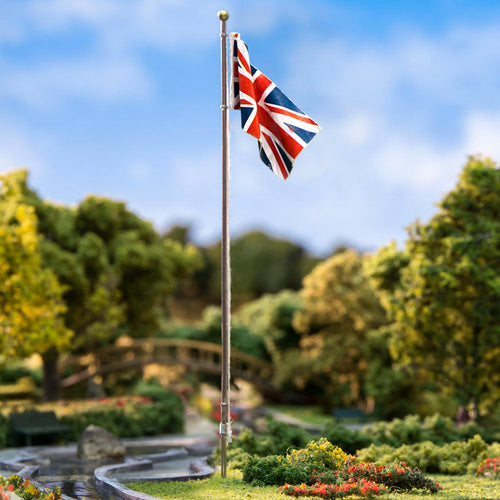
[196, 355]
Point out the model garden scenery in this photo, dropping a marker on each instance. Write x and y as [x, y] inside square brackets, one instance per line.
[356, 374]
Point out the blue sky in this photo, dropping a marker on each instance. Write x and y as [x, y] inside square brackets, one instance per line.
[121, 98]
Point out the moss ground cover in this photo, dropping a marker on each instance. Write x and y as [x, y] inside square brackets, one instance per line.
[233, 488]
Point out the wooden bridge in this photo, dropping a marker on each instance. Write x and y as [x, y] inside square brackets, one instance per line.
[195, 355]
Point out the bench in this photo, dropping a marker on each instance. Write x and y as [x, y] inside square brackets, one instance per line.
[37, 423]
[349, 414]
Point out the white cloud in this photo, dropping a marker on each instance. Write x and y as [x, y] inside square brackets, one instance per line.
[391, 97]
[482, 134]
[116, 32]
[165, 24]
[53, 15]
[380, 160]
[17, 151]
[98, 78]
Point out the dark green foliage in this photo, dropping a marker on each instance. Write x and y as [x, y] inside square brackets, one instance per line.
[410, 430]
[154, 390]
[12, 372]
[273, 470]
[277, 470]
[241, 336]
[393, 388]
[166, 416]
[470, 429]
[178, 233]
[209, 330]
[276, 439]
[6, 431]
[442, 291]
[349, 440]
[116, 270]
[271, 318]
[260, 264]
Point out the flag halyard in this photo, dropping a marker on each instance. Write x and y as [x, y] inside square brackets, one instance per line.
[281, 128]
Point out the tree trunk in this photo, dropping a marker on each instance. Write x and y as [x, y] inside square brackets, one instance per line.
[51, 383]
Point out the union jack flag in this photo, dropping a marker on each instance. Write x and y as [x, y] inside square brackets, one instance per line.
[281, 128]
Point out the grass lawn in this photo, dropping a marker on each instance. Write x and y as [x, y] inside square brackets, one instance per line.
[233, 488]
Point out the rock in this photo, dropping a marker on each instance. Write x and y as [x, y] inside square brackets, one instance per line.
[97, 442]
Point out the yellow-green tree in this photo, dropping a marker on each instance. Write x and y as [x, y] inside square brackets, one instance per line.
[339, 309]
[442, 291]
[31, 305]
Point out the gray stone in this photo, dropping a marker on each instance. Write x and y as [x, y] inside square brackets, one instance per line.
[97, 442]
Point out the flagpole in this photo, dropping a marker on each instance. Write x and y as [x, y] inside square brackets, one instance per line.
[225, 423]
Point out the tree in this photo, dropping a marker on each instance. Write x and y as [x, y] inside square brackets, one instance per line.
[442, 291]
[260, 264]
[116, 270]
[339, 309]
[271, 318]
[31, 305]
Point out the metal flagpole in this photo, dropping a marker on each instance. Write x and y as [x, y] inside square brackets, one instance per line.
[225, 423]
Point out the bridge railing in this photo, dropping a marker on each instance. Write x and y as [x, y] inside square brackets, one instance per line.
[198, 355]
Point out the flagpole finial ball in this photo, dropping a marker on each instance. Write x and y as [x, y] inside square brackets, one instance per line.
[223, 15]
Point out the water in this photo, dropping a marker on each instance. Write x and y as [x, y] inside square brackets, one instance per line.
[75, 477]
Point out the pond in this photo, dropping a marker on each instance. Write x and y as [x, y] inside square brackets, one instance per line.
[74, 476]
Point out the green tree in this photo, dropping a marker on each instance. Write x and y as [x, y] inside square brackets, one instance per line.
[260, 264]
[340, 308]
[442, 291]
[117, 271]
[271, 318]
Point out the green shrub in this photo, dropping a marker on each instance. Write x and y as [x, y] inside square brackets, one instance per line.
[12, 372]
[349, 440]
[208, 330]
[410, 430]
[131, 419]
[273, 470]
[166, 416]
[439, 429]
[459, 457]
[324, 466]
[297, 466]
[319, 454]
[153, 389]
[276, 439]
